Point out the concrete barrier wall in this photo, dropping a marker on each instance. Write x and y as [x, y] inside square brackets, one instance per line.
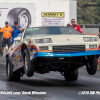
[90, 30]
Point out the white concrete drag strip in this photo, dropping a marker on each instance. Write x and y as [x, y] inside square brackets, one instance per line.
[3, 58]
[3, 85]
[2, 63]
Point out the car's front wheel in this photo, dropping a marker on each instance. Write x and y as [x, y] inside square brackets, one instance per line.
[71, 75]
[11, 76]
[28, 65]
[92, 66]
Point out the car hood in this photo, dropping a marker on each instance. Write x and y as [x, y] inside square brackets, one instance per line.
[65, 38]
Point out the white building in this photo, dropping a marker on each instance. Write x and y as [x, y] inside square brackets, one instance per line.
[66, 7]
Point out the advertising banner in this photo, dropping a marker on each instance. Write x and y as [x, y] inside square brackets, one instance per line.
[52, 19]
[23, 13]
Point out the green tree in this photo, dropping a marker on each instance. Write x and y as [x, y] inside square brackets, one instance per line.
[97, 16]
[86, 15]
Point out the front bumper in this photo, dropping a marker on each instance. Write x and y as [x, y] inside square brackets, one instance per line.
[51, 54]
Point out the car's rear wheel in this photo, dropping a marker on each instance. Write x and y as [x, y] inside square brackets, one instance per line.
[71, 75]
[92, 66]
[11, 76]
[28, 65]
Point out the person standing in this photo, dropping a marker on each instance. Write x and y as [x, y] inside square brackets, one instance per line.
[0, 43]
[68, 25]
[6, 36]
[75, 26]
[16, 30]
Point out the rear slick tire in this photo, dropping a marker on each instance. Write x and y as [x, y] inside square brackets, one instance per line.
[92, 66]
[11, 76]
[71, 75]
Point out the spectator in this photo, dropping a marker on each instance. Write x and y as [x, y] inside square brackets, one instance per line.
[75, 26]
[68, 25]
[6, 36]
[16, 30]
[0, 43]
[99, 33]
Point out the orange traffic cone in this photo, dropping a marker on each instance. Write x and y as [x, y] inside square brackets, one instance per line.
[99, 63]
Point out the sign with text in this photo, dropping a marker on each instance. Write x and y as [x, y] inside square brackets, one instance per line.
[52, 19]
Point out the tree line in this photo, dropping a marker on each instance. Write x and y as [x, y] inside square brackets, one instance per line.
[88, 15]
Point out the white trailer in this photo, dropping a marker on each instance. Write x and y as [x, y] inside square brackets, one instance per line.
[59, 11]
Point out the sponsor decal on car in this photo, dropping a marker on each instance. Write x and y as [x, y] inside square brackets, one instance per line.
[32, 53]
[29, 42]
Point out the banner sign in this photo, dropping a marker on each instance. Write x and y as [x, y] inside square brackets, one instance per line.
[52, 19]
[52, 14]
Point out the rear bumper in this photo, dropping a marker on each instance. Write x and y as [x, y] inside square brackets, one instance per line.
[51, 54]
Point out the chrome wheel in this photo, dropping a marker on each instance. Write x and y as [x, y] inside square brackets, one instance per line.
[89, 66]
[26, 64]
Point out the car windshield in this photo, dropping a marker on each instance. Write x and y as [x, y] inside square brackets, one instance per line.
[44, 31]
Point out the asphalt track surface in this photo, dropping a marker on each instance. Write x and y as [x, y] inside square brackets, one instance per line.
[53, 84]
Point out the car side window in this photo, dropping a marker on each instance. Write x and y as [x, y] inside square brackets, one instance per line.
[27, 34]
[20, 35]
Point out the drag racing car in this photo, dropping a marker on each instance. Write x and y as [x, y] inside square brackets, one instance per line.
[45, 49]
